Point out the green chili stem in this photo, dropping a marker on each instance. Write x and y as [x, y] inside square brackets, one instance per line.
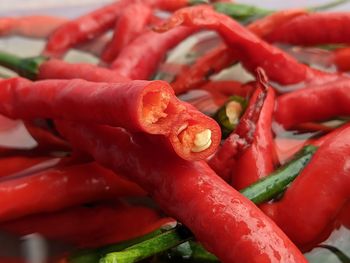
[26, 67]
[274, 184]
[197, 2]
[149, 247]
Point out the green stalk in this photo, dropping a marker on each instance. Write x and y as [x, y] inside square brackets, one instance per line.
[197, 2]
[25, 67]
[276, 183]
[160, 241]
[150, 247]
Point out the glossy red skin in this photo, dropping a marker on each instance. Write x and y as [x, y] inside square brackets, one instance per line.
[30, 26]
[88, 226]
[314, 29]
[140, 59]
[240, 139]
[253, 52]
[341, 58]
[13, 164]
[315, 103]
[58, 188]
[224, 221]
[210, 63]
[259, 159]
[131, 23]
[323, 187]
[58, 69]
[84, 28]
[116, 104]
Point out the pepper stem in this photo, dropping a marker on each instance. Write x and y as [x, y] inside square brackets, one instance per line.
[327, 5]
[197, 2]
[25, 67]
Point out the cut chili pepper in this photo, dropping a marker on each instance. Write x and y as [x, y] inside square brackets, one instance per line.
[327, 174]
[259, 159]
[141, 57]
[130, 24]
[186, 190]
[88, 226]
[316, 103]
[136, 105]
[253, 52]
[314, 29]
[243, 136]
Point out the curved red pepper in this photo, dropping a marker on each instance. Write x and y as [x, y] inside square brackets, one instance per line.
[323, 187]
[242, 137]
[130, 24]
[141, 57]
[145, 106]
[58, 188]
[253, 52]
[259, 159]
[316, 103]
[191, 192]
[314, 29]
[88, 226]
[58, 69]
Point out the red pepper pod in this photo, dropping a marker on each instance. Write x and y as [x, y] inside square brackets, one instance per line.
[259, 159]
[191, 192]
[315, 103]
[323, 187]
[58, 69]
[131, 23]
[84, 28]
[140, 59]
[88, 226]
[314, 29]
[253, 52]
[136, 105]
[30, 26]
[58, 188]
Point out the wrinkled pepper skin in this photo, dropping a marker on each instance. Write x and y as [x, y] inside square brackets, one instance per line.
[88, 226]
[259, 159]
[131, 23]
[314, 29]
[140, 59]
[191, 192]
[253, 52]
[58, 69]
[315, 103]
[323, 187]
[61, 187]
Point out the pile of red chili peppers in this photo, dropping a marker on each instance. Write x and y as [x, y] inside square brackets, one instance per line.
[82, 142]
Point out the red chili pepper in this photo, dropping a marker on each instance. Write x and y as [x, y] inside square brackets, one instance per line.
[210, 63]
[58, 69]
[141, 57]
[88, 226]
[30, 26]
[243, 136]
[145, 106]
[259, 159]
[344, 216]
[131, 23]
[14, 164]
[229, 88]
[191, 192]
[314, 29]
[341, 58]
[316, 103]
[84, 28]
[58, 188]
[253, 52]
[322, 187]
